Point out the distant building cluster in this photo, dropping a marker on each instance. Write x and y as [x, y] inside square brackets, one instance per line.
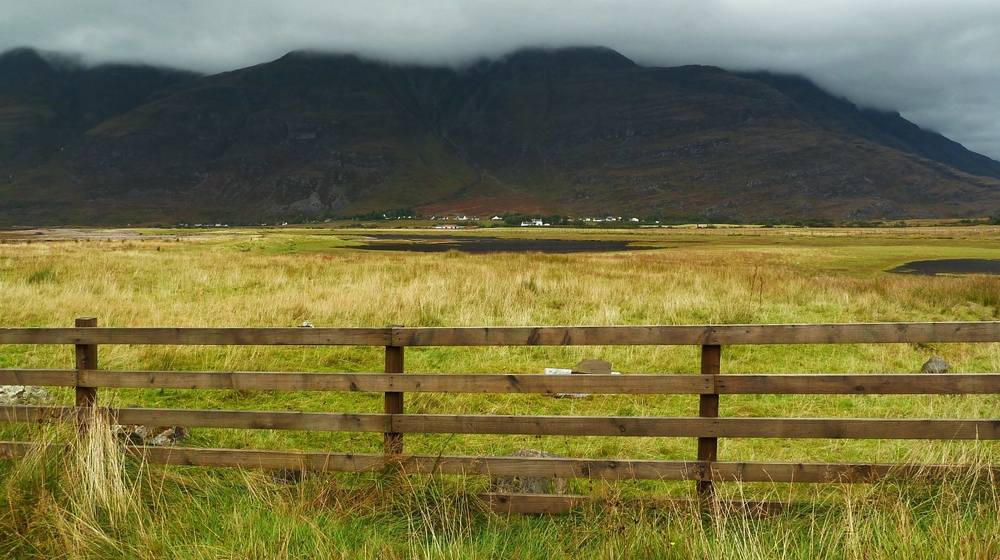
[461, 218]
[534, 222]
[216, 225]
[458, 221]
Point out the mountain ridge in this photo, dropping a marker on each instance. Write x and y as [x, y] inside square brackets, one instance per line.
[581, 131]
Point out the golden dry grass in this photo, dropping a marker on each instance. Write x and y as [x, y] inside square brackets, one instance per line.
[702, 276]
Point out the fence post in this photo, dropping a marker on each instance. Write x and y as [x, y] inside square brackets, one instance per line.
[708, 407]
[393, 442]
[86, 358]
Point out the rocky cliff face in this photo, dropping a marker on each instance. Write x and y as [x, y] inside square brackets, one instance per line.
[579, 131]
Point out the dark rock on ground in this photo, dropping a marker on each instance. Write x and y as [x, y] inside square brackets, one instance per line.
[152, 435]
[935, 365]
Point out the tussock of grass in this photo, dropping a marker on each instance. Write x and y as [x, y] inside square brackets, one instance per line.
[182, 513]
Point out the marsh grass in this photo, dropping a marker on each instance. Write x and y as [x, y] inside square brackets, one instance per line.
[89, 502]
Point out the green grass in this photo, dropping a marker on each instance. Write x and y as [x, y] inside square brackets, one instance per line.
[199, 513]
[282, 277]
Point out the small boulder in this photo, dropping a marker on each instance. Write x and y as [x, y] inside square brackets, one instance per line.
[170, 436]
[132, 434]
[24, 395]
[935, 365]
[596, 367]
[151, 435]
[529, 484]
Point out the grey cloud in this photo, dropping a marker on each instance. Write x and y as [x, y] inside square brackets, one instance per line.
[937, 63]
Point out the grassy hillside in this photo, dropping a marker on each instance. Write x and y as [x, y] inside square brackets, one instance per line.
[51, 506]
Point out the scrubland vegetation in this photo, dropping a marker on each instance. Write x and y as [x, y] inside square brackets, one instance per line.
[92, 503]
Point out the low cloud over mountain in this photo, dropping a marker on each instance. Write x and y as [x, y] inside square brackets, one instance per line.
[577, 131]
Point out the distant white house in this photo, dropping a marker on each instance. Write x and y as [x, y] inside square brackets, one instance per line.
[533, 222]
[496, 218]
[446, 226]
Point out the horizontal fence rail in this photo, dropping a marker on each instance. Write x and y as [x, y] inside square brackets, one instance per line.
[843, 333]
[394, 423]
[200, 336]
[698, 334]
[607, 469]
[631, 426]
[633, 384]
[718, 471]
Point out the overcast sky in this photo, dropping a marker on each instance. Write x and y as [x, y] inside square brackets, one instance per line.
[936, 62]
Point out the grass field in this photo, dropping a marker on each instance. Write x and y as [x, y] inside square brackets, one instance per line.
[65, 506]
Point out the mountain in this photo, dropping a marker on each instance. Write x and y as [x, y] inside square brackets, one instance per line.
[887, 128]
[581, 131]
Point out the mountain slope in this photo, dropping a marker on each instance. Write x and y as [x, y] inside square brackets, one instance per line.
[46, 105]
[887, 128]
[575, 131]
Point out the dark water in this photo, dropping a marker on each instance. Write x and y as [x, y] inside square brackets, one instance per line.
[950, 266]
[468, 244]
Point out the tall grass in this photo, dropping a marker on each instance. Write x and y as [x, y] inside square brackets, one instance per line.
[209, 514]
[89, 502]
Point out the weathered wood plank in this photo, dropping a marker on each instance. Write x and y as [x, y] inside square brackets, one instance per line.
[199, 336]
[841, 333]
[254, 420]
[608, 469]
[986, 331]
[39, 414]
[425, 464]
[392, 443]
[611, 469]
[192, 418]
[549, 504]
[406, 382]
[537, 425]
[834, 428]
[47, 377]
[861, 384]
[261, 459]
[86, 358]
[708, 407]
[828, 472]
[802, 384]
[10, 450]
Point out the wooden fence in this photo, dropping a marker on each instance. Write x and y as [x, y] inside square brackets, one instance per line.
[705, 468]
